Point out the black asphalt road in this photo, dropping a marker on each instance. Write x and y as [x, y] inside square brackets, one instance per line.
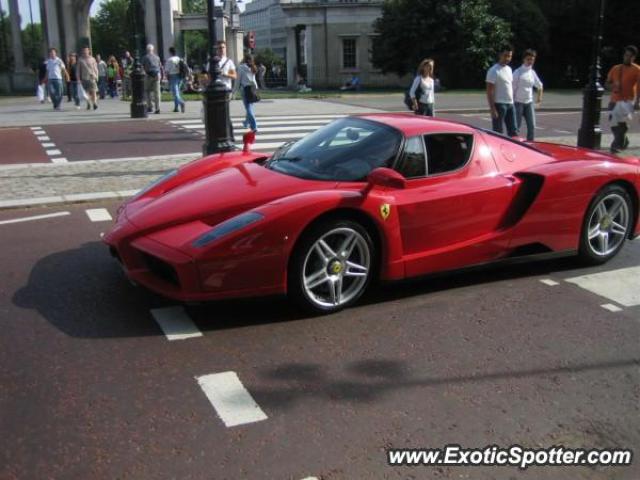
[91, 388]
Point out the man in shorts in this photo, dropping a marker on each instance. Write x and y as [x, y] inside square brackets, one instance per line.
[88, 76]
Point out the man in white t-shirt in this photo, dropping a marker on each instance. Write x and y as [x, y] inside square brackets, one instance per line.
[500, 93]
[227, 67]
[54, 77]
[173, 71]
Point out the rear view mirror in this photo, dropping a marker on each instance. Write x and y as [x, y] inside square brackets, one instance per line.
[386, 177]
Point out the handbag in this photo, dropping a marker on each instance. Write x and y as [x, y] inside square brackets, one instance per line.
[251, 94]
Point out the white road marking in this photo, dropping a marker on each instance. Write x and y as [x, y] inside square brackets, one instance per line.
[35, 217]
[611, 307]
[48, 145]
[59, 160]
[39, 132]
[232, 402]
[621, 286]
[53, 152]
[265, 123]
[549, 282]
[35, 128]
[175, 323]
[302, 128]
[43, 138]
[292, 118]
[564, 131]
[99, 215]
[540, 128]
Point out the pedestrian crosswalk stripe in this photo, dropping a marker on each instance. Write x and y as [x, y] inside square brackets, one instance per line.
[262, 122]
[99, 215]
[270, 118]
[232, 402]
[611, 307]
[48, 145]
[53, 152]
[175, 323]
[621, 286]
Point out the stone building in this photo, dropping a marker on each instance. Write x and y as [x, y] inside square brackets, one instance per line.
[324, 41]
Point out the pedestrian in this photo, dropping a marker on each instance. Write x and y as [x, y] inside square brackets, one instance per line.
[500, 93]
[113, 70]
[525, 79]
[56, 72]
[262, 70]
[152, 68]
[248, 89]
[127, 70]
[74, 83]
[43, 94]
[88, 76]
[624, 82]
[176, 70]
[227, 72]
[102, 76]
[423, 99]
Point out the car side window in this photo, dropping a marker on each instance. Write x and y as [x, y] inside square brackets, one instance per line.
[412, 162]
[447, 152]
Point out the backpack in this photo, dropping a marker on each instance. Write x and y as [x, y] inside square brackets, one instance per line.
[183, 69]
[407, 95]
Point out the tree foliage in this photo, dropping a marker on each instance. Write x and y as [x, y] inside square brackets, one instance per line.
[32, 45]
[267, 57]
[194, 6]
[462, 36]
[112, 29]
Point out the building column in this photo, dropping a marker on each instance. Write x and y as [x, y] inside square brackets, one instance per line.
[16, 38]
[291, 57]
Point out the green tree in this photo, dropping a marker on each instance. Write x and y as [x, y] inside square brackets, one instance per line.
[194, 6]
[461, 35]
[196, 45]
[32, 44]
[6, 58]
[529, 25]
[267, 57]
[112, 29]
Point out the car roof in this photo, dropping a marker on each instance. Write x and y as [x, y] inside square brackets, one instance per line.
[410, 124]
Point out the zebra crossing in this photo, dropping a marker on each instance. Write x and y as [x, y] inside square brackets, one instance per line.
[273, 131]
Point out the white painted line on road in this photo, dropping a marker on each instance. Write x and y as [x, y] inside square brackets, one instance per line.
[310, 478]
[43, 138]
[175, 323]
[127, 193]
[292, 118]
[540, 128]
[39, 132]
[262, 122]
[48, 145]
[35, 128]
[59, 160]
[35, 217]
[232, 402]
[611, 307]
[621, 286]
[83, 197]
[564, 131]
[99, 215]
[53, 152]
[549, 282]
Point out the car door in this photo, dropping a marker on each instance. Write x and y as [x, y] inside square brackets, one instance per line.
[450, 212]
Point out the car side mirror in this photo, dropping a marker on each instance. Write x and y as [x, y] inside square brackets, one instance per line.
[386, 177]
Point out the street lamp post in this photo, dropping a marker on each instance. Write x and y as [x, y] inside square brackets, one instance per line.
[590, 133]
[216, 99]
[138, 108]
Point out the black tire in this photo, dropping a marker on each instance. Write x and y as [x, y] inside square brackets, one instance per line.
[587, 252]
[303, 252]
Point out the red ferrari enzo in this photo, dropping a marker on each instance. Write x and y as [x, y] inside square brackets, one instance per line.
[366, 198]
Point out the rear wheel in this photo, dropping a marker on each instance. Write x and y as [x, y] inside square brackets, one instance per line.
[332, 266]
[606, 225]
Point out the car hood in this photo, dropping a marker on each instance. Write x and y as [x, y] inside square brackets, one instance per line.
[219, 196]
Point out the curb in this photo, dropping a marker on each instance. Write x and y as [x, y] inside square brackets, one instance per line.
[63, 199]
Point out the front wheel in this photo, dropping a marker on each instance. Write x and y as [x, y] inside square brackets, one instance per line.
[606, 225]
[332, 266]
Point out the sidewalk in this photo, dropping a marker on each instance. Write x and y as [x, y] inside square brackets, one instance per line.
[51, 183]
[27, 111]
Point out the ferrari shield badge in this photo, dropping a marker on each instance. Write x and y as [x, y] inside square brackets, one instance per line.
[385, 210]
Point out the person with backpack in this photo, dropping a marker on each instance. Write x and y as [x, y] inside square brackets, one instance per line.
[248, 89]
[175, 69]
[422, 89]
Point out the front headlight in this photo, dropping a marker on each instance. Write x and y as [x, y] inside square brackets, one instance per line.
[156, 182]
[227, 227]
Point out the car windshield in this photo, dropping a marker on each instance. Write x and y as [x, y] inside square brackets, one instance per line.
[344, 150]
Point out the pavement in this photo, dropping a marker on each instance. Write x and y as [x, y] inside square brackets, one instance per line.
[96, 384]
